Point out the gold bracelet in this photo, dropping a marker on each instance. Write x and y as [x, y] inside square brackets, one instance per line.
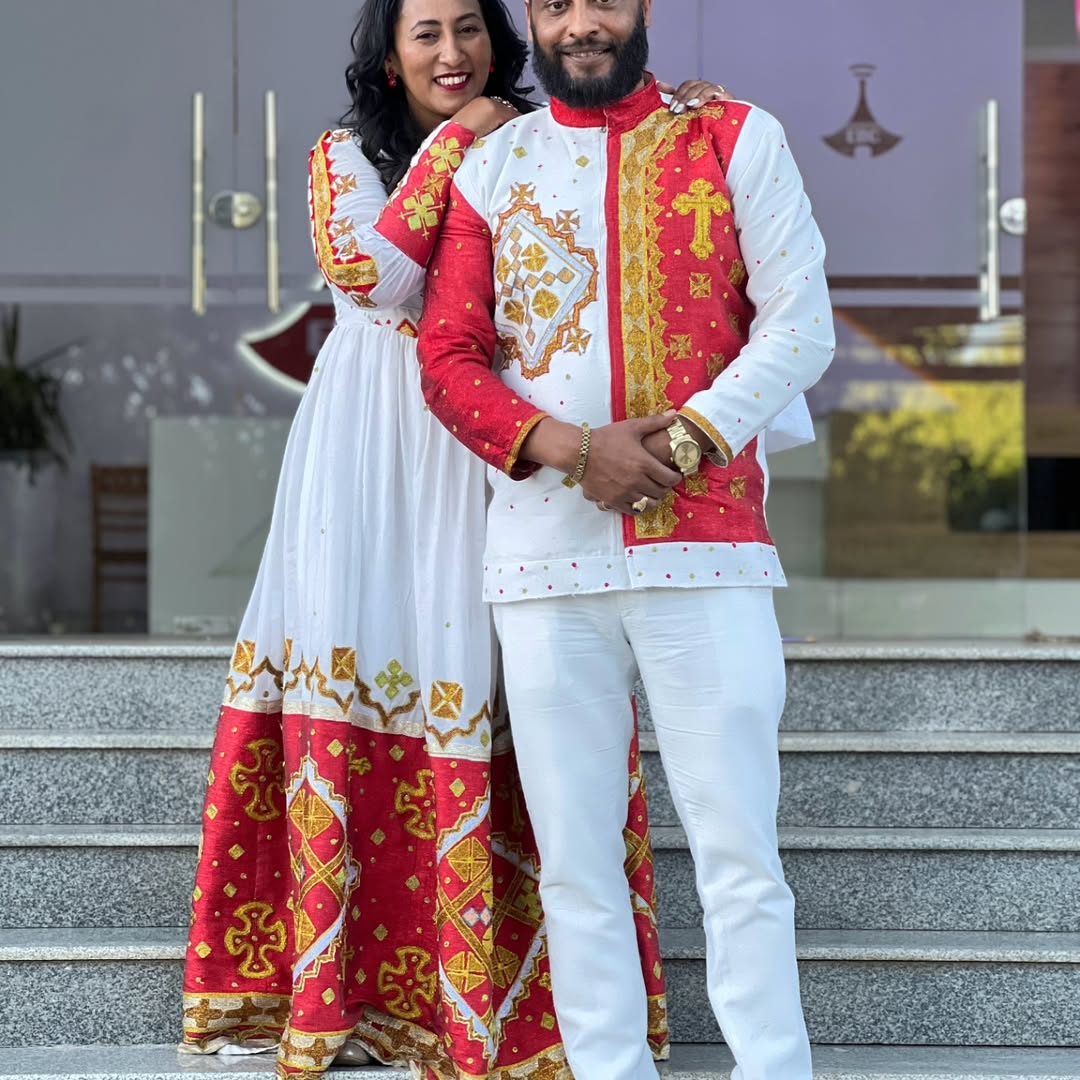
[583, 458]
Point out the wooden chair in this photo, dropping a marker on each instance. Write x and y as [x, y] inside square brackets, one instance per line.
[121, 514]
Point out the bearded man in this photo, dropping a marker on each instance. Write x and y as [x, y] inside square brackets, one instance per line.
[627, 303]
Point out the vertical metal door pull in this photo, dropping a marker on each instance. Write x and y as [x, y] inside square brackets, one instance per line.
[273, 268]
[198, 217]
[990, 270]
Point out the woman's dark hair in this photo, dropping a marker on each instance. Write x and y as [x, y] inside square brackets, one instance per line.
[380, 116]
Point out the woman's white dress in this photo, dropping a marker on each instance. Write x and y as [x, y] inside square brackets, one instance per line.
[367, 870]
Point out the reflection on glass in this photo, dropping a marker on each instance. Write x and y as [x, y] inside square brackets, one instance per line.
[925, 415]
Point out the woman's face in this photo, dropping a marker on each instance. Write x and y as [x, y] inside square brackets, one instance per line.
[442, 54]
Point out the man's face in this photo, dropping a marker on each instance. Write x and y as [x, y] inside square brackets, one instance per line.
[590, 53]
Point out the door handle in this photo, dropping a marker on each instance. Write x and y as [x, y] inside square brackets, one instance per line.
[990, 230]
[273, 262]
[198, 217]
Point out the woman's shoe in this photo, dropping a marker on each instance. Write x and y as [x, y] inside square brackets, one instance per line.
[352, 1054]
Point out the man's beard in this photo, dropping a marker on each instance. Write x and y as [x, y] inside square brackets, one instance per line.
[630, 58]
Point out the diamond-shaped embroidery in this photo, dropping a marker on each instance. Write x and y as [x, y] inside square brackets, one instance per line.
[377, 837]
[547, 1021]
[396, 753]
[203, 950]
[380, 932]
[328, 996]
[544, 283]
[361, 978]
[413, 883]
[197, 894]
[230, 890]
[458, 788]
[211, 811]
[236, 851]
[472, 917]
[335, 749]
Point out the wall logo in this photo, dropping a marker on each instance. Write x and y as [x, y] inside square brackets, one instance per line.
[862, 130]
[287, 350]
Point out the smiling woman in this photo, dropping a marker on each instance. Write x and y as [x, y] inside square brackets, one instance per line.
[417, 63]
[442, 62]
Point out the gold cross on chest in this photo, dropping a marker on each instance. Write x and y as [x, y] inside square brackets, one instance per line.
[703, 201]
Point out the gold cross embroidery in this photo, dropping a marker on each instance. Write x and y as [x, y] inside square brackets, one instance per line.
[703, 200]
[421, 213]
[447, 155]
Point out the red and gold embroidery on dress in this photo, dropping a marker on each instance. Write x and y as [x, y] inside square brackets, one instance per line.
[544, 282]
[341, 259]
[412, 217]
[360, 883]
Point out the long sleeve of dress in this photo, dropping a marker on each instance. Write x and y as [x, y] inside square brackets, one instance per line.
[792, 340]
[373, 250]
[457, 343]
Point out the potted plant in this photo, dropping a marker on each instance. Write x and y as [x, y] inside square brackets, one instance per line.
[34, 444]
[32, 429]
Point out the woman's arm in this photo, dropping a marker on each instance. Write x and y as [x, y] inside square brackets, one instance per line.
[374, 250]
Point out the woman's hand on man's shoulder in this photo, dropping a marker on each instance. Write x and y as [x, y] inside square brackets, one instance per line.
[483, 115]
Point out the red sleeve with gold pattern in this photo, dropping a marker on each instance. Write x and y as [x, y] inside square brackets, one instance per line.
[457, 346]
[374, 251]
[412, 217]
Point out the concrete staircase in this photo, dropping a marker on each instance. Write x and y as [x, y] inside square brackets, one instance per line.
[930, 826]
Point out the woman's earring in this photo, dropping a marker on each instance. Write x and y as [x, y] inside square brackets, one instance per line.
[491, 70]
[391, 77]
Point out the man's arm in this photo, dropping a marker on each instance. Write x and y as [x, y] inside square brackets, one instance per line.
[792, 341]
[457, 346]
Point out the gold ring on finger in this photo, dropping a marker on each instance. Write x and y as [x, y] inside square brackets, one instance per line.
[641, 505]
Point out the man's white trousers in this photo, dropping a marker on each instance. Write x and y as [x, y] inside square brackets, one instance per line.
[712, 663]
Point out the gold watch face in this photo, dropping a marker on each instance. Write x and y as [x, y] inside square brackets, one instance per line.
[687, 454]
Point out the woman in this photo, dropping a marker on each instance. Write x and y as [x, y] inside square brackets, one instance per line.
[367, 879]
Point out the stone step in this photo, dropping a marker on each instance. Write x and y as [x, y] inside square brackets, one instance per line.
[905, 879]
[909, 988]
[873, 987]
[859, 879]
[162, 683]
[830, 779]
[149, 684]
[932, 780]
[688, 1062]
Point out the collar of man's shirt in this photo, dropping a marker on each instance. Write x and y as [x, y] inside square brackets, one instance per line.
[623, 115]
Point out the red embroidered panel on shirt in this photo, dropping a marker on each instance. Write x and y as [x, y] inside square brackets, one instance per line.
[341, 259]
[723, 504]
[681, 294]
[412, 218]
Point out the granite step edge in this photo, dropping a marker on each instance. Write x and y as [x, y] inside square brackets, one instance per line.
[805, 742]
[112, 944]
[221, 648]
[664, 838]
[688, 1062]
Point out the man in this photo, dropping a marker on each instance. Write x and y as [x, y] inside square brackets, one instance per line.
[654, 286]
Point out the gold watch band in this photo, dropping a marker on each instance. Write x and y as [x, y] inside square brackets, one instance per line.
[583, 458]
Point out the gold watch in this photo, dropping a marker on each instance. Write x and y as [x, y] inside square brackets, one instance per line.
[685, 452]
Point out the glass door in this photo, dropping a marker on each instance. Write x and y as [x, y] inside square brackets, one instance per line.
[910, 515]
